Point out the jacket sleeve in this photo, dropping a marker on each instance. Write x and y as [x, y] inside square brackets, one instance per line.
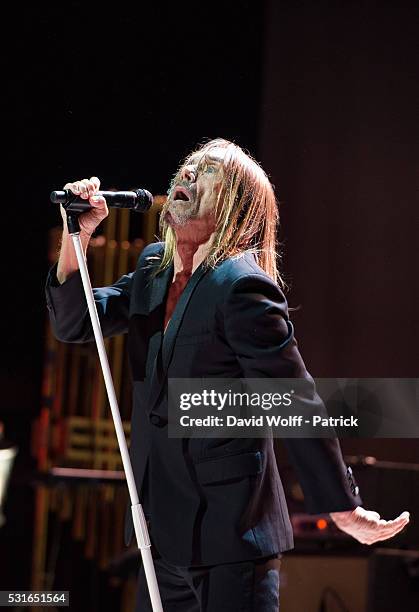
[258, 329]
[68, 310]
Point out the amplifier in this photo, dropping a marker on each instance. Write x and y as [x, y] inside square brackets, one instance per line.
[320, 583]
[386, 581]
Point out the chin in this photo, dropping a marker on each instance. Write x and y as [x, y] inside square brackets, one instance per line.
[175, 220]
[178, 217]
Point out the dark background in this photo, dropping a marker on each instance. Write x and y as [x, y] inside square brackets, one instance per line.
[324, 94]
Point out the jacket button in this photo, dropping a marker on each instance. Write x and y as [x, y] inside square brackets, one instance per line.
[155, 419]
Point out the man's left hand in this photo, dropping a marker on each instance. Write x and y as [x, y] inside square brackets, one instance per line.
[367, 526]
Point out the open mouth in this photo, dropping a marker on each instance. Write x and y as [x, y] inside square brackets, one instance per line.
[180, 193]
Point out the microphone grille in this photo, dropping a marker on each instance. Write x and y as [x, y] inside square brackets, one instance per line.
[144, 200]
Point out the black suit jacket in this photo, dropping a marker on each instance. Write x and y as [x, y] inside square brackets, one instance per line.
[209, 500]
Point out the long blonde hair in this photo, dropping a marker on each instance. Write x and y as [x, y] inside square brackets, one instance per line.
[247, 212]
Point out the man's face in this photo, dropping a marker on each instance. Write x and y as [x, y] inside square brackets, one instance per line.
[194, 192]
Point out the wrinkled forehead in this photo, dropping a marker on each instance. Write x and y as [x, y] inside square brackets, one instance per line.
[215, 154]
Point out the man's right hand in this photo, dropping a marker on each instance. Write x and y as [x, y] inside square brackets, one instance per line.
[87, 189]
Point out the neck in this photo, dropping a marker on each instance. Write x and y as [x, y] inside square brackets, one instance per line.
[193, 243]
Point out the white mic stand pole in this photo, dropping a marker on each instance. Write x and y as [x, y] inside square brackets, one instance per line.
[140, 525]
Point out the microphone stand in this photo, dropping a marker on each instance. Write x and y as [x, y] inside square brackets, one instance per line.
[140, 525]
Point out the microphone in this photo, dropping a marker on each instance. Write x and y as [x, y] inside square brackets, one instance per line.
[139, 200]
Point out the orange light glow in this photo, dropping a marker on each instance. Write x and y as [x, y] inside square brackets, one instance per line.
[321, 524]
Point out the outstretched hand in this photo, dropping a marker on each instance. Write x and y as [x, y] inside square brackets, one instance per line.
[367, 526]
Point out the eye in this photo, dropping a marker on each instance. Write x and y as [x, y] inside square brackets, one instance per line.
[207, 169]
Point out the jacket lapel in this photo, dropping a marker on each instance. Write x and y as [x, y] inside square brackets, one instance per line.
[162, 360]
[177, 316]
[159, 286]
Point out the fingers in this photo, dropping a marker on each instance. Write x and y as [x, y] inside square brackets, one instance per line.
[96, 182]
[404, 517]
[400, 521]
[97, 201]
[88, 190]
[387, 529]
[85, 188]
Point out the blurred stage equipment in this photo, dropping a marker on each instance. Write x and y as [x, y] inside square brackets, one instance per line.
[7, 456]
[393, 581]
[82, 485]
[382, 580]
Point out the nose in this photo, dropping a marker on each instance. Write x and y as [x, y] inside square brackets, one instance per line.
[188, 173]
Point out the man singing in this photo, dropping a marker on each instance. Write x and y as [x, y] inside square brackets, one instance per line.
[207, 302]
